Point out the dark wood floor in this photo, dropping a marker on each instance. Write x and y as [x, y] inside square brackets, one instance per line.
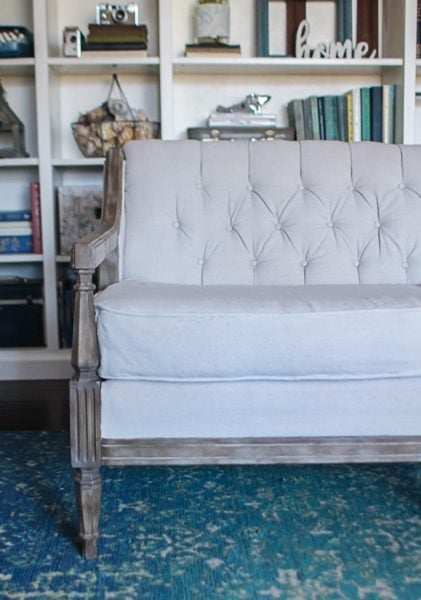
[36, 404]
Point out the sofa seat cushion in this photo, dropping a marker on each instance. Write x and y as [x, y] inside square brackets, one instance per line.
[206, 333]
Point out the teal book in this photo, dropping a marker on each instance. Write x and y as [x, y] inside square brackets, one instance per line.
[365, 114]
[330, 106]
[343, 20]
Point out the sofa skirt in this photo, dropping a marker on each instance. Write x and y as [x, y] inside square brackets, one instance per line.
[147, 409]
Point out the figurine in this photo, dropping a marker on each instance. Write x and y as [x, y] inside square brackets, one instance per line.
[251, 104]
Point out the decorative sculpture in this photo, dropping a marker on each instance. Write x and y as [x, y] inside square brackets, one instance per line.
[11, 125]
[252, 103]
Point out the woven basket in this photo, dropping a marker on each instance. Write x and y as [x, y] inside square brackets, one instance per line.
[96, 139]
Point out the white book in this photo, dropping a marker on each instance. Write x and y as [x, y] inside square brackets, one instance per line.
[356, 115]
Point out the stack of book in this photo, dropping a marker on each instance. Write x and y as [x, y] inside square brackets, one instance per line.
[363, 114]
[20, 230]
[212, 50]
[15, 231]
[117, 38]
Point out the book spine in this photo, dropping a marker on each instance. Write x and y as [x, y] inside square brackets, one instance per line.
[342, 118]
[348, 20]
[321, 112]
[299, 119]
[315, 117]
[340, 20]
[15, 215]
[14, 244]
[114, 46]
[331, 117]
[418, 51]
[388, 121]
[296, 12]
[308, 124]
[368, 23]
[376, 109]
[350, 116]
[356, 115]
[36, 217]
[365, 115]
[262, 27]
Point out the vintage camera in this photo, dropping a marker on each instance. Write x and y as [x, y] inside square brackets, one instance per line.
[110, 14]
[72, 41]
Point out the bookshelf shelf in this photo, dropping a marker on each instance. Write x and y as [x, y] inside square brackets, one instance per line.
[17, 66]
[18, 162]
[88, 66]
[70, 163]
[284, 65]
[21, 258]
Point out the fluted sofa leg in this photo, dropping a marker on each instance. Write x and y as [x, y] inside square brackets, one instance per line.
[88, 500]
[85, 417]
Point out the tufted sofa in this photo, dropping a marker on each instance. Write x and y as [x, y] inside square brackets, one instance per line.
[259, 303]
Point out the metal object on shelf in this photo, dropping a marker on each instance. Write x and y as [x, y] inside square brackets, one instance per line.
[11, 127]
[209, 134]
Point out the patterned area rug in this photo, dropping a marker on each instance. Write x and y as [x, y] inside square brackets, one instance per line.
[178, 533]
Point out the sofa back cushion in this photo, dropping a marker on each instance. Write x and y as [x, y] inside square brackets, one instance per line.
[272, 213]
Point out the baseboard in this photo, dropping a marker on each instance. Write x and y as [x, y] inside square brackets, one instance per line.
[34, 405]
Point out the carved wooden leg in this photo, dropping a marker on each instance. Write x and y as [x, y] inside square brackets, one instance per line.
[85, 418]
[88, 499]
[86, 457]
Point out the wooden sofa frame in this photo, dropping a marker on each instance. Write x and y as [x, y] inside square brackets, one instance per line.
[89, 451]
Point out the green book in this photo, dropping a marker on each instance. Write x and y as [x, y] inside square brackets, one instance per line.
[365, 114]
[330, 106]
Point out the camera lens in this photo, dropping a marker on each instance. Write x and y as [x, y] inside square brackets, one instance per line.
[120, 15]
[73, 38]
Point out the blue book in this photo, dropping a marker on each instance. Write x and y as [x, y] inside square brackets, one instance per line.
[15, 242]
[343, 20]
[365, 114]
[376, 106]
[15, 215]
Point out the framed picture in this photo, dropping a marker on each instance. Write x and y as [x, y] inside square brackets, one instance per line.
[79, 213]
[277, 22]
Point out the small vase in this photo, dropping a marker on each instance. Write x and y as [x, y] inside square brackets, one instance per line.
[212, 22]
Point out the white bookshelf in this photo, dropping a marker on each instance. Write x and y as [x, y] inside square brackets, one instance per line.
[49, 91]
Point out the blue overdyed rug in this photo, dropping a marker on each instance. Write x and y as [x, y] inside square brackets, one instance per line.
[178, 533]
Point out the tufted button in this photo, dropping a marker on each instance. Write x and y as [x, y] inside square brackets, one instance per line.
[404, 265]
[357, 263]
[249, 187]
[200, 261]
[401, 186]
[176, 224]
[304, 263]
[253, 263]
[199, 186]
[329, 224]
[300, 186]
[278, 226]
[229, 227]
[377, 224]
[351, 188]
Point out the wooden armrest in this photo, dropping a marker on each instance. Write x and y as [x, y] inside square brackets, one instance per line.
[89, 252]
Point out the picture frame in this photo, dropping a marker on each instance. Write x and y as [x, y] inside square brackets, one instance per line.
[265, 9]
[294, 12]
[79, 213]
